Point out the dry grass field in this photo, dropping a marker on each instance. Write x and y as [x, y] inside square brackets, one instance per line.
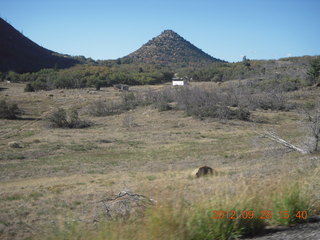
[59, 176]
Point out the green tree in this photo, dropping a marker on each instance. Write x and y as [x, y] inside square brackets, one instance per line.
[98, 85]
[29, 88]
[246, 61]
[2, 76]
[13, 77]
[314, 71]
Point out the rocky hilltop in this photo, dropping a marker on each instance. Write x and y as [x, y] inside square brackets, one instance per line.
[18, 53]
[170, 49]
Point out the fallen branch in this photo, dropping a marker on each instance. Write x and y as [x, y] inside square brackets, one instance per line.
[126, 204]
[283, 142]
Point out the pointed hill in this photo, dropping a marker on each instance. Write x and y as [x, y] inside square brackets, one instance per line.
[18, 53]
[170, 49]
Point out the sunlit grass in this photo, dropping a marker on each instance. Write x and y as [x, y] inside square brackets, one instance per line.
[54, 182]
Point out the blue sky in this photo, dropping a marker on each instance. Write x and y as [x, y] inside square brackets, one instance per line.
[225, 29]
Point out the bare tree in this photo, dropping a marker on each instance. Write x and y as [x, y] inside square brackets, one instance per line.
[313, 125]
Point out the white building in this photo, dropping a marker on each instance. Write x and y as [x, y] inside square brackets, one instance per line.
[178, 81]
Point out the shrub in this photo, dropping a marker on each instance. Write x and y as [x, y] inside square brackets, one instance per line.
[161, 99]
[29, 88]
[194, 101]
[98, 85]
[289, 84]
[40, 84]
[172, 222]
[129, 101]
[314, 71]
[242, 114]
[12, 76]
[273, 100]
[203, 226]
[9, 110]
[103, 108]
[230, 102]
[281, 84]
[58, 119]
[75, 122]
[210, 103]
[128, 121]
[162, 106]
[288, 204]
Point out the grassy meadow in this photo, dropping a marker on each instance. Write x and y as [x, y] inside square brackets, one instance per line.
[51, 187]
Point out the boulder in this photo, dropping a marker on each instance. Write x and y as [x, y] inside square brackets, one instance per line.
[202, 171]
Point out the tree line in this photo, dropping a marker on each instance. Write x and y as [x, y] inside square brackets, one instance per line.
[90, 76]
[290, 72]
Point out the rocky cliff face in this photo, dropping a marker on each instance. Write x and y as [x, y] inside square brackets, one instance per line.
[169, 48]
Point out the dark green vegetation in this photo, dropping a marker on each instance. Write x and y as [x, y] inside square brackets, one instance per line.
[9, 110]
[91, 76]
[286, 70]
[59, 119]
[20, 54]
[287, 74]
[314, 71]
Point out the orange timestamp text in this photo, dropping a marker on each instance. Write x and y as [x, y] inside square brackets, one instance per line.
[264, 214]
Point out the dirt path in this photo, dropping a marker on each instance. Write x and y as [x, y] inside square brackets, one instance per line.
[25, 125]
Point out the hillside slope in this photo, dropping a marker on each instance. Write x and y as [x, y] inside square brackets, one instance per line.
[170, 49]
[18, 53]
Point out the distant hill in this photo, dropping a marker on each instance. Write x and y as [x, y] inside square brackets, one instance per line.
[170, 49]
[18, 53]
